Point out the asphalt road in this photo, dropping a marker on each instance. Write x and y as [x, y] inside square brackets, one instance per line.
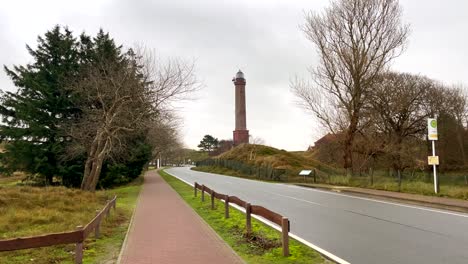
[358, 230]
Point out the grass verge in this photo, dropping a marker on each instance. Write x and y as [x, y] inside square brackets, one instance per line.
[414, 186]
[228, 172]
[30, 211]
[263, 246]
[220, 170]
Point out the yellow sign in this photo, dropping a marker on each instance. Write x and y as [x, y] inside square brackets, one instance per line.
[433, 160]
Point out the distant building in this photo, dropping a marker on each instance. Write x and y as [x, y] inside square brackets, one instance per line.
[327, 139]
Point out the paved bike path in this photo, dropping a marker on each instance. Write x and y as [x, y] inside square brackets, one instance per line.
[166, 230]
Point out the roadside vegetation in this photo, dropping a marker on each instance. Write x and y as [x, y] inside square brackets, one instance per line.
[88, 112]
[263, 246]
[30, 211]
[245, 161]
[86, 116]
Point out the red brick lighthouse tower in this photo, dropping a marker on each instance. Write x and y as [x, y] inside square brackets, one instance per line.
[241, 134]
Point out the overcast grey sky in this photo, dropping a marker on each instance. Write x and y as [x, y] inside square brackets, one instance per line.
[261, 37]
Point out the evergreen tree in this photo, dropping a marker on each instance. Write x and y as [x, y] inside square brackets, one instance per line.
[38, 120]
[208, 143]
[33, 115]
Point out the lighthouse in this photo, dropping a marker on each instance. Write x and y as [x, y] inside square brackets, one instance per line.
[241, 134]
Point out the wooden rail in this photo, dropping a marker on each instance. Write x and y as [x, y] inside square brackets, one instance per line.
[73, 237]
[274, 217]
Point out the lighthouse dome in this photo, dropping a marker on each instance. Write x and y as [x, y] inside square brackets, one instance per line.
[240, 75]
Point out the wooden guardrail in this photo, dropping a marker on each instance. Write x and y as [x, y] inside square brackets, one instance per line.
[73, 237]
[249, 210]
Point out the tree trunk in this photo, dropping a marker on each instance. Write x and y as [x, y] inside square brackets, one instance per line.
[348, 149]
[93, 165]
[397, 164]
[96, 172]
[460, 142]
[49, 179]
[89, 161]
[399, 180]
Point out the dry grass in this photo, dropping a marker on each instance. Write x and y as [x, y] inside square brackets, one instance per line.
[261, 155]
[29, 211]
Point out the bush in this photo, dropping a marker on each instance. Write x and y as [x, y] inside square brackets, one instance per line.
[264, 172]
[121, 172]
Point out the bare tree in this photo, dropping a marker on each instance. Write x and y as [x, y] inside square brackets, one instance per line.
[356, 40]
[123, 97]
[163, 135]
[457, 102]
[224, 145]
[399, 113]
[254, 142]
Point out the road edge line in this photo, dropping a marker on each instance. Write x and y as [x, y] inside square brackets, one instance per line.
[389, 202]
[272, 225]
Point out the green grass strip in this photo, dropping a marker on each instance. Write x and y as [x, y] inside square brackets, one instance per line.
[106, 249]
[264, 246]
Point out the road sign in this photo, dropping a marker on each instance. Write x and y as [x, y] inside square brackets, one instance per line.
[432, 129]
[305, 172]
[433, 160]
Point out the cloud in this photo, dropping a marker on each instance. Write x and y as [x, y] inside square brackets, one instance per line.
[260, 37]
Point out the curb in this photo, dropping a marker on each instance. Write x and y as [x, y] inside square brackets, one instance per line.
[351, 191]
[130, 227]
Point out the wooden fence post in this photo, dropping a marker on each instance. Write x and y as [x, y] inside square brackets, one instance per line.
[212, 199]
[96, 229]
[248, 218]
[114, 204]
[195, 189]
[203, 193]
[79, 249]
[108, 209]
[285, 236]
[226, 206]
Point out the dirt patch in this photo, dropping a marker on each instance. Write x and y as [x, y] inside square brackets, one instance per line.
[261, 242]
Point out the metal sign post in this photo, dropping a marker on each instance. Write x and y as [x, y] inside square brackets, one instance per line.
[433, 160]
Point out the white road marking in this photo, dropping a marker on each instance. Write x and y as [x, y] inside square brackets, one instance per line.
[274, 226]
[385, 202]
[298, 199]
[368, 199]
[298, 238]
